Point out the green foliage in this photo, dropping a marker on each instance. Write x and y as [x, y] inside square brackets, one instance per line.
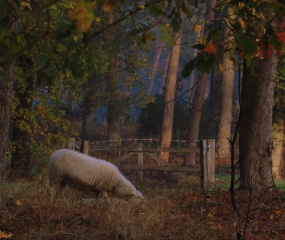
[53, 59]
[46, 124]
[8, 42]
[254, 33]
[203, 62]
[166, 35]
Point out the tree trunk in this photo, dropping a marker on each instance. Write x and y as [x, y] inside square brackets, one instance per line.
[6, 97]
[113, 91]
[215, 102]
[87, 126]
[196, 111]
[196, 114]
[191, 85]
[154, 69]
[225, 122]
[171, 80]
[21, 158]
[165, 74]
[255, 136]
[21, 162]
[90, 102]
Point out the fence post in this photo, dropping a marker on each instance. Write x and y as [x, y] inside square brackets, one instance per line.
[140, 159]
[84, 147]
[207, 156]
[71, 143]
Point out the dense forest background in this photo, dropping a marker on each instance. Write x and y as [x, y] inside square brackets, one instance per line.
[108, 70]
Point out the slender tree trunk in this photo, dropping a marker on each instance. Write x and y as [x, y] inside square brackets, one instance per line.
[90, 102]
[6, 97]
[193, 76]
[196, 114]
[192, 82]
[225, 123]
[21, 162]
[87, 126]
[165, 73]
[196, 111]
[215, 101]
[255, 139]
[113, 91]
[21, 158]
[154, 69]
[215, 89]
[167, 123]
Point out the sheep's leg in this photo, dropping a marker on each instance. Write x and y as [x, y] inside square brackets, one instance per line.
[54, 190]
[105, 196]
[67, 203]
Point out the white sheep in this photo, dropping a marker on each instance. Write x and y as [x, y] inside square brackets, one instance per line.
[82, 172]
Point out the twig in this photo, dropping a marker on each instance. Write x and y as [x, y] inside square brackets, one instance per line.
[232, 187]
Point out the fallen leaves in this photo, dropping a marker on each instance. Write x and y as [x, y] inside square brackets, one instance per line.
[167, 214]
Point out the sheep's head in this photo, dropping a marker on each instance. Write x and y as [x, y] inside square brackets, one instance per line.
[137, 194]
[137, 197]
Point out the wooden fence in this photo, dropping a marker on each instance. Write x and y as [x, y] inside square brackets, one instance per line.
[206, 151]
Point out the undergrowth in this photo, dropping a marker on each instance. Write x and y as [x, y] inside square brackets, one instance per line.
[171, 211]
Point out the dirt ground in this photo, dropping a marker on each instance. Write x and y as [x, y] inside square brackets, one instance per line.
[170, 211]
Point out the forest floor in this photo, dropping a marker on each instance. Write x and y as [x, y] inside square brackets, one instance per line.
[171, 211]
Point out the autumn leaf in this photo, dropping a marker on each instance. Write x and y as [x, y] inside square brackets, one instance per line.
[26, 4]
[109, 5]
[278, 212]
[258, 53]
[279, 53]
[83, 14]
[211, 48]
[18, 203]
[281, 37]
[198, 28]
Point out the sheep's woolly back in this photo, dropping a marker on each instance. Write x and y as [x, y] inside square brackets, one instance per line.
[68, 167]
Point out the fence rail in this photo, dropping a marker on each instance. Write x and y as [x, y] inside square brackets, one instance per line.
[149, 159]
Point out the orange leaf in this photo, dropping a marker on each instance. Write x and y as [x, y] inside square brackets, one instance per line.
[83, 15]
[278, 212]
[259, 52]
[211, 48]
[109, 5]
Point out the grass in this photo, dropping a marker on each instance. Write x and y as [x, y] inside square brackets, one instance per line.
[171, 211]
